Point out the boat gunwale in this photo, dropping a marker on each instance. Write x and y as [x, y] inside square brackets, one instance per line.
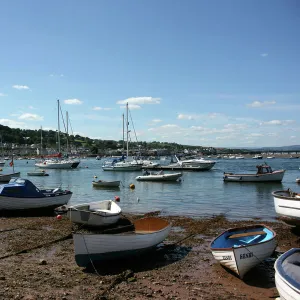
[284, 197]
[253, 174]
[292, 283]
[242, 246]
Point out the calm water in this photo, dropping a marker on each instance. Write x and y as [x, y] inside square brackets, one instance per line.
[198, 194]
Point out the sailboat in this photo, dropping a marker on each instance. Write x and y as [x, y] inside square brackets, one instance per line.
[57, 163]
[122, 164]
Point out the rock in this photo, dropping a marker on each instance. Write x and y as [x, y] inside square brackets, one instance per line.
[128, 273]
[42, 262]
[131, 279]
[2, 277]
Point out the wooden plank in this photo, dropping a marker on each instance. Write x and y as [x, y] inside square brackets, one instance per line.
[237, 235]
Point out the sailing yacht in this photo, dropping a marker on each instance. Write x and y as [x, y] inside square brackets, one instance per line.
[122, 164]
[57, 163]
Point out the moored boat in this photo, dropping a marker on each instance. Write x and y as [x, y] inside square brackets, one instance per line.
[158, 176]
[240, 249]
[101, 213]
[8, 177]
[93, 247]
[37, 173]
[264, 174]
[103, 183]
[287, 206]
[21, 193]
[287, 275]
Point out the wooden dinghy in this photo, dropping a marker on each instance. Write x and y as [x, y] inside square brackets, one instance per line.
[102, 183]
[287, 206]
[101, 213]
[146, 234]
[159, 176]
[240, 249]
[264, 174]
[287, 275]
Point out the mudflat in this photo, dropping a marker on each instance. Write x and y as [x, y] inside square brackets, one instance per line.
[37, 262]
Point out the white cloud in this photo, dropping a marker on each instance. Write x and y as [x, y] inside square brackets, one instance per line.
[12, 123]
[132, 106]
[73, 101]
[21, 87]
[101, 108]
[31, 107]
[261, 104]
[186, 117]
[2, 95]
[31, 117]
[140, 100]
[292, 137]
[264, 54]
[156, 121]
[256, 134]
[277, 122]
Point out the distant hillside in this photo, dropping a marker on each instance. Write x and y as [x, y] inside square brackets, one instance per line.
[282, 148]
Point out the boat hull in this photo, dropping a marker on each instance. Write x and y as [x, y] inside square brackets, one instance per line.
[276, 176]
[12, 203]
[122, 169]
[8, 177]
[163, 177]
[106, 183]
[286, 289]
[37, 174]
[98, 247]
[55, 165]
[287, 208]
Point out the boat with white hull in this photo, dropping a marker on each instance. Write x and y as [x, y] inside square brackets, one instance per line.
[159, 176]
[240, 249]
[147, 233]
[264, 174]
[197, 164]
[23, 194]
[101, 213]
[37, 173]
[122, 166]
[103, 183]
[53, 164]
[287, 206]
[8, 177]
[287, 275]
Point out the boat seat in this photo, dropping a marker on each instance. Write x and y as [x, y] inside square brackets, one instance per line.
[292, 267]
[238, 235]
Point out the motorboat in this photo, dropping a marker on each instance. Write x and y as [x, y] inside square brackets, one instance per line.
[201, 163]
[103, 183]
[257, 156]
[158, 176]
[21, 193]
[122, 166]
[287, 206]
[264, 174]
[240, 157]
[270, 157]
[101, 213]
[37, 173]
[240, 249]
[297, 180]
[144, 235]
[147, 163]
[287, 274]
[231, 157]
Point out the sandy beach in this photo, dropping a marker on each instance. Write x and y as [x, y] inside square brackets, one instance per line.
[37, 262]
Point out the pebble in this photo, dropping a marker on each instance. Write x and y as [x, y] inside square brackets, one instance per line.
[2, 277]
[42, 262]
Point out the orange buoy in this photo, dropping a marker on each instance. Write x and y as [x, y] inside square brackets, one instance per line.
[58, 217]
[132, 186]
[117, 198]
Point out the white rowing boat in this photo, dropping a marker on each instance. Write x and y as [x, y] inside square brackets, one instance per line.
[147, 233]
[287, 206]
[101, 213]
[287, 275]
[240, 249]
[264, 174]
[103, 183]
[159, 176]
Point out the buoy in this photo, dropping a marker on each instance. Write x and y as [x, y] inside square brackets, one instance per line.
[117, 198]
[58, 217]
[1, 170]
[138, 199]
[86, 167]
[95, 176]
[132, 186]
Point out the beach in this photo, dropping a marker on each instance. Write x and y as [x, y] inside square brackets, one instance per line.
[37, 262]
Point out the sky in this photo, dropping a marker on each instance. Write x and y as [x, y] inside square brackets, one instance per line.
[207, 73]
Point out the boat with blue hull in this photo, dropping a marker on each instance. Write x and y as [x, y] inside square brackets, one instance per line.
[241, 249]
[141, 236]
[20, 194]
[287, 275]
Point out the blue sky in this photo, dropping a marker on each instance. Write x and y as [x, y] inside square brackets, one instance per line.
[213, 73]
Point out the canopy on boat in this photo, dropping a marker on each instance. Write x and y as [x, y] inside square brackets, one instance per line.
[20, 188]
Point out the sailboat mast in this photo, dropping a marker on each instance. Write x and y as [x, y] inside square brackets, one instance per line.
[67, 117]
[123, 134]
[58, 129]
[41, 141]
[127, 123]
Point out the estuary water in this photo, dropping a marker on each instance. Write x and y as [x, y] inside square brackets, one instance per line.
[198, 194]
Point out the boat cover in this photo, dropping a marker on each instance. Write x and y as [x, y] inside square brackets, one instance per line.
[20, 188]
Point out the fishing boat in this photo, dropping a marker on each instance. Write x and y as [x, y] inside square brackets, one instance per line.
[264, 173]
[287, 206]
[158, 176]
[101, 213]
[240, 249]
[37, 173]
[21, 193]
[143, 236]
[287, 275]
[103, 183]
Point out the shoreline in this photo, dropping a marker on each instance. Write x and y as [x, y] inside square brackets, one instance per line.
[37, 262]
